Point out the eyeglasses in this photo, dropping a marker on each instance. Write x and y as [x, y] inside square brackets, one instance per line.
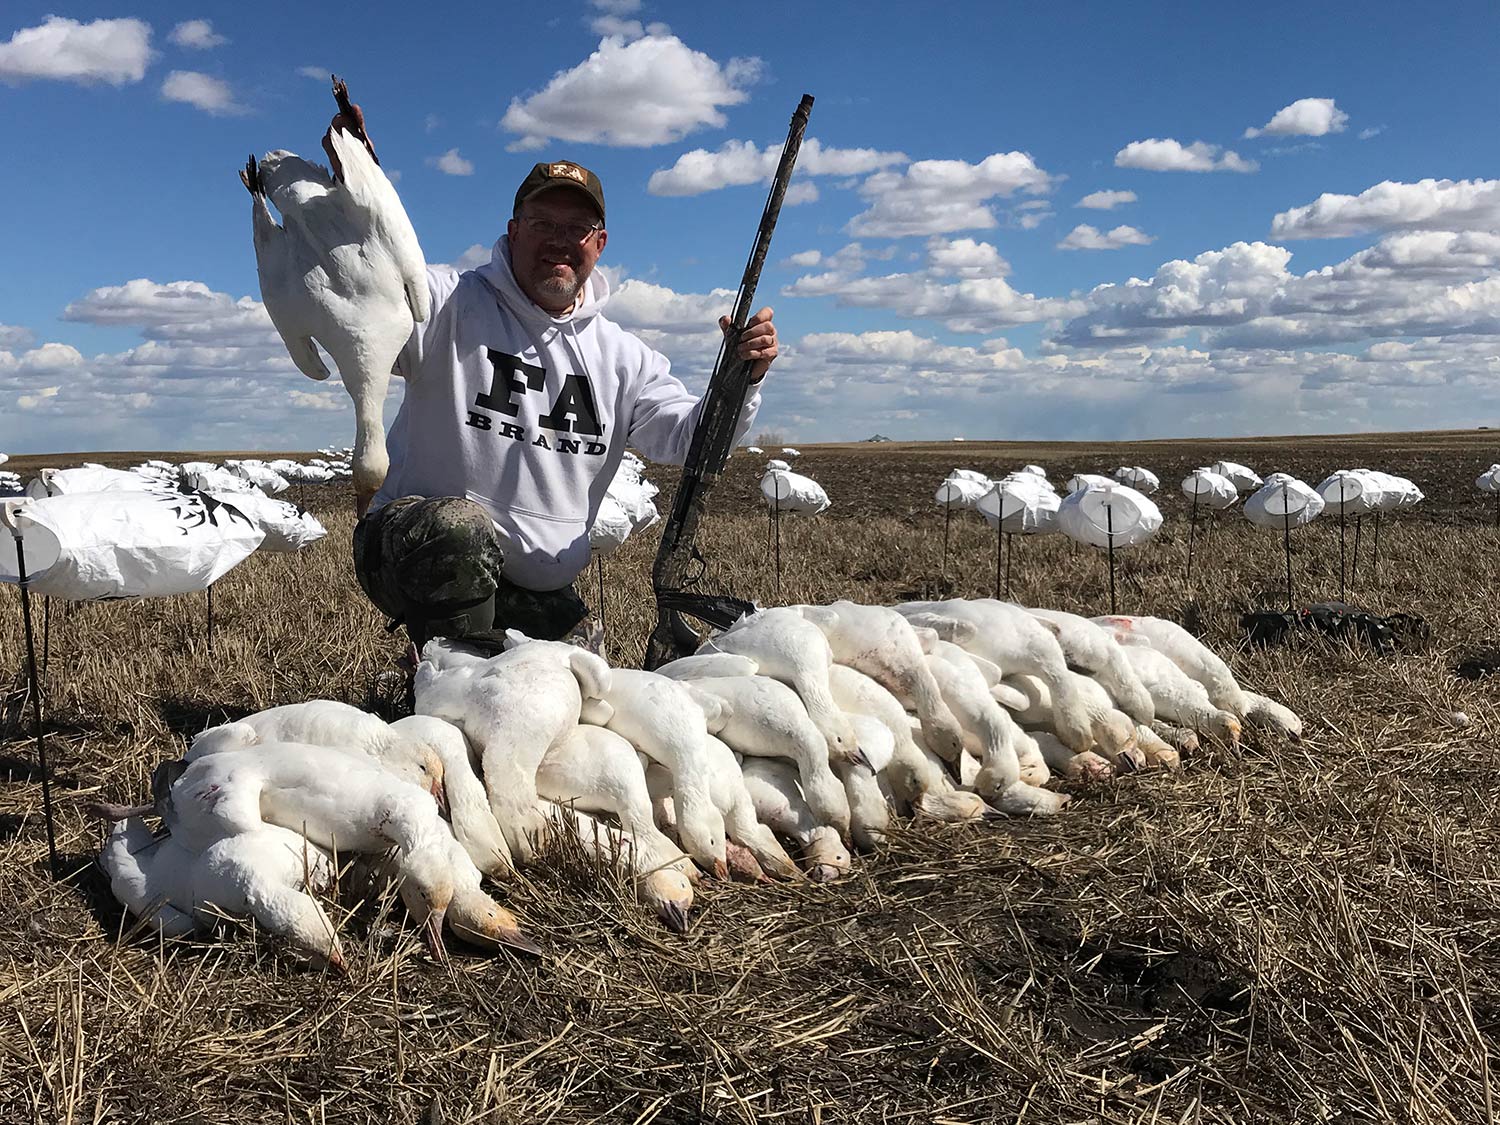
[568, 232]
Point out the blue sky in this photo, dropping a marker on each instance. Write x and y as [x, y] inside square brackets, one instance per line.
[1338, 271]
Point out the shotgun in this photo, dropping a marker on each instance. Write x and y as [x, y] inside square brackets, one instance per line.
[679, 565]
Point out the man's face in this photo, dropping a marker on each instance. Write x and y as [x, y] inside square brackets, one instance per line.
[551, 269]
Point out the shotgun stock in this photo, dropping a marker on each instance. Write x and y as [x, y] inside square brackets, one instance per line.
[673, 574]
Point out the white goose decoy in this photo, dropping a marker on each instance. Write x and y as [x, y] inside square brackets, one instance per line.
[779, 804]
[883, 645]
[766, 719]
[346, 270]
[915, 774]
[266, 873]
[788, 647]
[513, 707]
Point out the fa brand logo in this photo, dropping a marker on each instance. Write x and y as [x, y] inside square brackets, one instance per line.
[571, 171]
[574, 411]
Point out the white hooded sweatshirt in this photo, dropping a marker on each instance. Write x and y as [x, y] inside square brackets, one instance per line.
[529, 414]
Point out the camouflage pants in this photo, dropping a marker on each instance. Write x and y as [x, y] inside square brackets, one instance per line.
[434, 565]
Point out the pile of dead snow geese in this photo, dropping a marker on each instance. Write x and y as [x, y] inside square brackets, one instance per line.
[784, 743]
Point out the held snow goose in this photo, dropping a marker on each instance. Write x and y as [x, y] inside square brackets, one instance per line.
[788, 647]
[766, 719]
[772, 784]
[266, 873]
[915, 775]
[883, 645]
[345, 270]
[513, 707]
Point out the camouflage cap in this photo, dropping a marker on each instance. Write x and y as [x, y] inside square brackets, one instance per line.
[561, 173]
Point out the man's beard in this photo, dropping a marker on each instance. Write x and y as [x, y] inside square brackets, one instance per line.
[559, 288]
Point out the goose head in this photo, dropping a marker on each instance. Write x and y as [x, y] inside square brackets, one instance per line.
[743, 866]
[700, 831]
[479, 920]
[667, 891]
[1225, 727]
[825, 855]
[427, 889]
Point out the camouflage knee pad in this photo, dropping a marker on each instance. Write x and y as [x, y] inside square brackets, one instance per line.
[434, 564]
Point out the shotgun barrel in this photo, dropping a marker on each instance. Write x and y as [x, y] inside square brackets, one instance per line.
[676, 558]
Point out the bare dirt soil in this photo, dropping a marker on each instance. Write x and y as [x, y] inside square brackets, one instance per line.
[1278, 933]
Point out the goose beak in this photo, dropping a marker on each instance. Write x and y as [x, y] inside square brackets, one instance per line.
[823, 873]
[674, 916]
[432, 936]
[337, 963]
[859, 759]
[990, 815]
[721, 871]
[440, 796]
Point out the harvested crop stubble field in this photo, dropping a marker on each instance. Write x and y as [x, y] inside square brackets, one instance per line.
[1281, 932]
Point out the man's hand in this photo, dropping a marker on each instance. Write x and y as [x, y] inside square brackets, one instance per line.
[757, 342]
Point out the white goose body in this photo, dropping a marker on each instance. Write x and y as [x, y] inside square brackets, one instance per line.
[989, 736]
[1091, 647]
[513, 707]
[772, 784]
[915, 774]
[332, 725]
[883, 645]
[1179, 698]
[1184, 650]
[768, 720]
[344, 269]
[1017, 642]
[663, 720]
[789, 648]
[265, 873]
[869, 811]
[593, 769]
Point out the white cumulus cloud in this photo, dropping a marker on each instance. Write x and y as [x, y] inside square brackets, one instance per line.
[1085, 237]
[112, 51]
[451, 164]
[210, 94]
[1166, 155]
[196, 35]
[942, 196]
[14, 336]
[37, 397]
[736, 163]
[1390, 205]
[1105, 200]
[1305, 117]
[476, 255]
[636, 94]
